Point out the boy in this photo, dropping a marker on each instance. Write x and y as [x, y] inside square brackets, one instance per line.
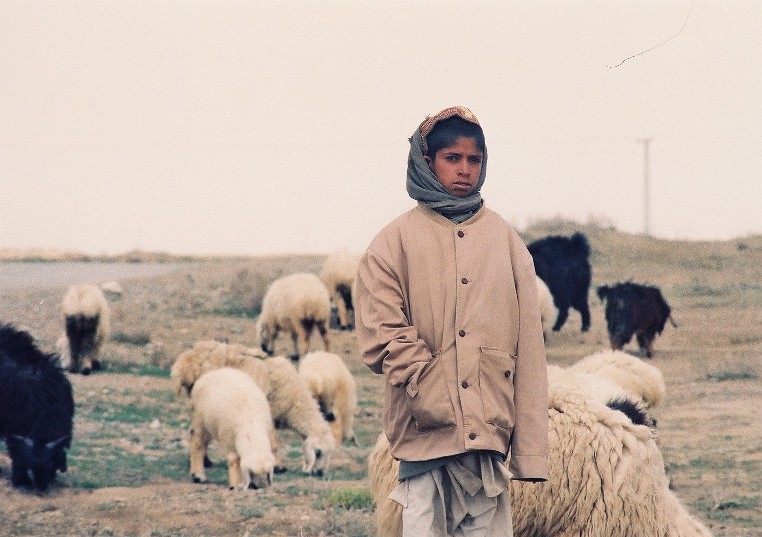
[447, 311]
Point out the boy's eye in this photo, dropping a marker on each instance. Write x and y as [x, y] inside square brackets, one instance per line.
[451, 158]
[475, 160]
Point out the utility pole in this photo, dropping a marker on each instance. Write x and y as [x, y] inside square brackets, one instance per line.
[646, 189]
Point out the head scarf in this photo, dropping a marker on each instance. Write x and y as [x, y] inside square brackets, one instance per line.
[422, 184]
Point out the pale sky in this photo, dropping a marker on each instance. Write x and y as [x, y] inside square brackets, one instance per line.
[253, 127]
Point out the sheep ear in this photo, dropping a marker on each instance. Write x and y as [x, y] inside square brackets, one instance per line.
[56, 443]
[24, 440]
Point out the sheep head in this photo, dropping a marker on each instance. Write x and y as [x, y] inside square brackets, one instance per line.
[35, 463]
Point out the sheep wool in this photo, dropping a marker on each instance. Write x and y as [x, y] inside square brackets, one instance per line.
[230, 408]
[333, 386]
[296, 304]
[338, 274]
[629, 372]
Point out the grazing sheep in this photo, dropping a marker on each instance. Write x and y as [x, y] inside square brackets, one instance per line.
[629, 372]
[296, 304]
[548, 310]
[230, 408]
[338, 275]
[634, 309]
[606, 478]
[292, 405]
[563, 264]
[36, 410]
[86, 315]
[333, 386]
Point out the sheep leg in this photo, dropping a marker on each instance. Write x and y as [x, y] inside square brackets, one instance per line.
[234, 473]
[563, 313]
[343, 416]
[296, 338]
[323, 329]
[584, 311]
[341, 310]
[275, 446]
[199, 441]
[646, 343]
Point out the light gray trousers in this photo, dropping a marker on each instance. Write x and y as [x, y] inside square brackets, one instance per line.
[454, 501]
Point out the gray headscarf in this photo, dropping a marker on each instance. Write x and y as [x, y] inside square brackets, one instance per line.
[422, 184]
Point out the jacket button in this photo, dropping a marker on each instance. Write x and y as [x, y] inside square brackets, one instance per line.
[472, 436]
[465, 384]
[507, 374]
[462, 333]
[461, 234]
[464, 280]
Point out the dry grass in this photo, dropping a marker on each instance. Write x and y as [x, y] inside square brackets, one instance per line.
[129, 474]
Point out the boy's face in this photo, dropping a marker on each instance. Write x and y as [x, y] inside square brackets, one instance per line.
[458, 166]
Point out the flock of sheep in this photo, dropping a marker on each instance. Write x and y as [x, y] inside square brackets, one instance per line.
[607, 473]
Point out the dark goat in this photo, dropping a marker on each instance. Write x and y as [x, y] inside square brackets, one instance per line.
[562, 263]
[634, 309]
[36, 409]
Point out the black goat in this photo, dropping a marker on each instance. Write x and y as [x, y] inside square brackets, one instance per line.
[36, 409]
[562, 263]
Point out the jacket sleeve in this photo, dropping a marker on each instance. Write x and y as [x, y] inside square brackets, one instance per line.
[529, 442]
[388, 343]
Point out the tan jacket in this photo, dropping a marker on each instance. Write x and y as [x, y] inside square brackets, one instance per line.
[448, 313]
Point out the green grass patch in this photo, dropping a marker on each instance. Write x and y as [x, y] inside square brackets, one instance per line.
[233, 309]
[140, 339]
[351, 498]
[724, 376]
[138, 370]
[91, 468]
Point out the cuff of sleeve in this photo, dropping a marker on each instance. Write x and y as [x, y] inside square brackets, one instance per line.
[529, 467]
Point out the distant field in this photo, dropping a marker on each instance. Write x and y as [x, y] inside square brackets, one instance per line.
[128, 471]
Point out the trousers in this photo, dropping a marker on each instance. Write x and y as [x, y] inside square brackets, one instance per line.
[454, 501]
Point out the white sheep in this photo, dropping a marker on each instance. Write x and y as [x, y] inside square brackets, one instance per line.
[604, 391]
[606, 478]
[296, 304]
[231, 409]
[333, 386]
[338, 274]
[291, 403]
[87, 321]
[548, 310]
[630, 372]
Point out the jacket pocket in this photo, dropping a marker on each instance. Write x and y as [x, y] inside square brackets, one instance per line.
[428, 399]
[496, 369]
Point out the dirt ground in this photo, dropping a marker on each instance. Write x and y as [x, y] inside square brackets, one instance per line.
[128, 473]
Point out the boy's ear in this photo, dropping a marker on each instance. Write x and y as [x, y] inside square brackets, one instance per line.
[428, 160]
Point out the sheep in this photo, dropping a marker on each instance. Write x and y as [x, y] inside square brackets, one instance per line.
[338, 274]
[548, 310]
[230, 408]
[563, 263]
[634, 309]
[333, 386]
[36, 410]
[291, 403]
[606, 478]
[296, 304]
[86, 316]
[604, 391]
[629, 372]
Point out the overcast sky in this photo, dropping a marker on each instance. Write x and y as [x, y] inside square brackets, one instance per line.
[267, 127]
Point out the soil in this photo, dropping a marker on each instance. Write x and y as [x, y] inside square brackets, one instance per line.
[128, 473]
